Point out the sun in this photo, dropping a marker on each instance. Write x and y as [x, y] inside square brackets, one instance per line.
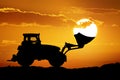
[86, 27]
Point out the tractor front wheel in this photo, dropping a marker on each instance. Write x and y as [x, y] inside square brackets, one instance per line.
[57, 60]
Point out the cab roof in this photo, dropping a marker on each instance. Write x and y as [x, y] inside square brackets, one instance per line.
[31, 34]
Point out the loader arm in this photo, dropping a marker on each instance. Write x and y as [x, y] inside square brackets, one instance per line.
[69, 47]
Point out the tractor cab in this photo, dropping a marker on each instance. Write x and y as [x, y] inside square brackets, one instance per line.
[31, 38]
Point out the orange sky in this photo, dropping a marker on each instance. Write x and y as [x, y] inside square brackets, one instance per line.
[55, 20]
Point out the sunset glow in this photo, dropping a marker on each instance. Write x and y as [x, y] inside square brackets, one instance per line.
[57, 21]
[86, 27]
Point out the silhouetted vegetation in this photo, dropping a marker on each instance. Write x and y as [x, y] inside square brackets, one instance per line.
[105, 72]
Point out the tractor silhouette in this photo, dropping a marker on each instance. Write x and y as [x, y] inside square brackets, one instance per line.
[31, 49]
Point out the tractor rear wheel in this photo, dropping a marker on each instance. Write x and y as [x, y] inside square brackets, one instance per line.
[24, 59]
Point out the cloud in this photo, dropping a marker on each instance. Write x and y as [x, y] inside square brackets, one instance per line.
[21, 25]
[102, 10]
[115, 25]
[101, 15]
[17, 16]
[4, 43]
[9, 10]
[79, 13]
[9, 42]
[97, 22]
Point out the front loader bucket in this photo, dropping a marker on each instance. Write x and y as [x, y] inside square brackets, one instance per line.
[82, 40]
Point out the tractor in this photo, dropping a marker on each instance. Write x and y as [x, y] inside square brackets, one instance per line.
[31, 49]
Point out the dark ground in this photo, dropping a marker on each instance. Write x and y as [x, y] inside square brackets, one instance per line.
[105, 72]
